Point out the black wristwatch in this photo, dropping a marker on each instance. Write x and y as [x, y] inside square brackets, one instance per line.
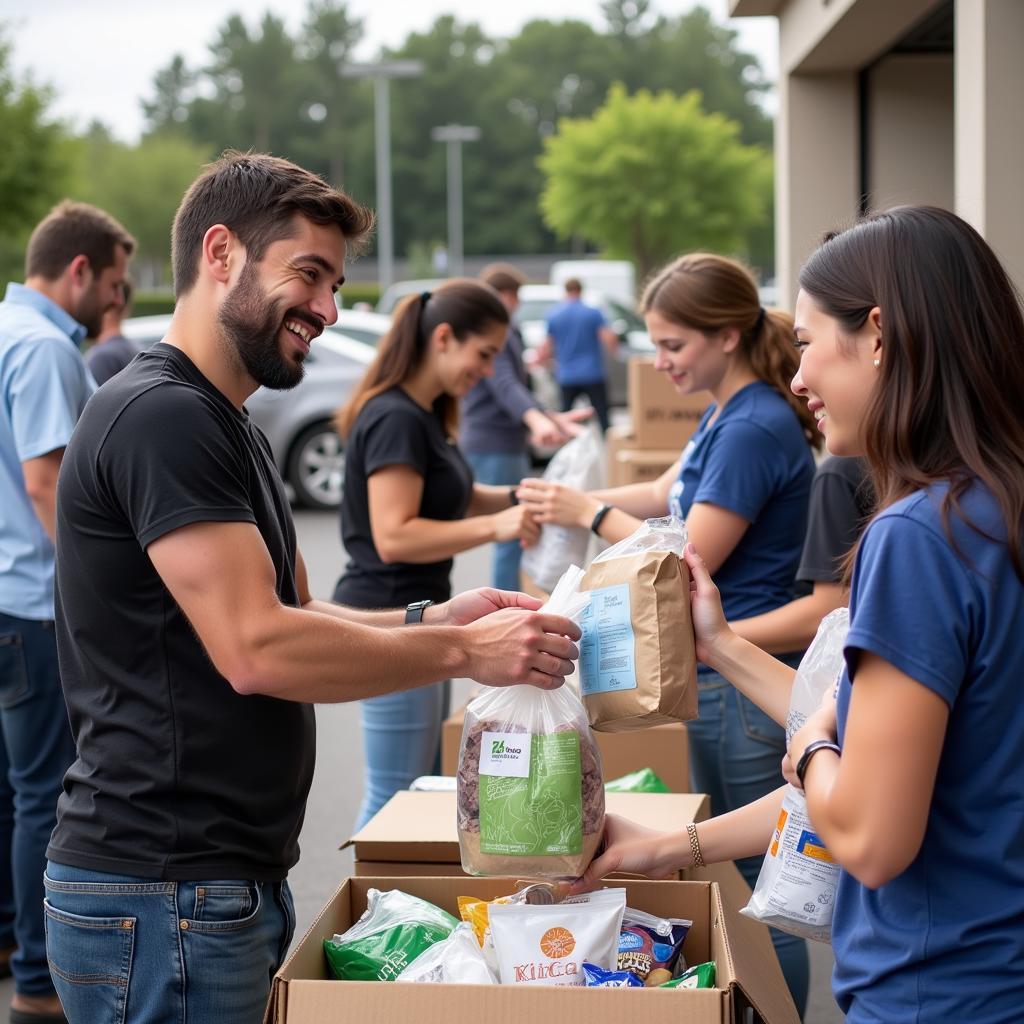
[812, 749]
[414, 611]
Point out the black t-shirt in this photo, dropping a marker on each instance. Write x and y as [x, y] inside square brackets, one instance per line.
[178, 776]
[392, 430]
[842, 500]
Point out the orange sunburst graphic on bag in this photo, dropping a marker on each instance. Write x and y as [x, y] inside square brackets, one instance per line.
[557, 942]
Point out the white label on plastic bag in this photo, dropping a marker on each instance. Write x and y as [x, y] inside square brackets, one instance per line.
[506, 754]
[607, 649]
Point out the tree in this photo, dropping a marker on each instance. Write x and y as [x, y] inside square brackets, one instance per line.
[653, 175]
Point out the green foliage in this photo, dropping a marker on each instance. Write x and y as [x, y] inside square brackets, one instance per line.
[651, 175]
[152, 303]
[360, 291]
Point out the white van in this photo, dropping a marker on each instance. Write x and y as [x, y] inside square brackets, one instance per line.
[614, 279]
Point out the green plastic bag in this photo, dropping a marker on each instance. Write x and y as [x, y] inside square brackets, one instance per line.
[393, 931]
[642, 781]
[699, 976]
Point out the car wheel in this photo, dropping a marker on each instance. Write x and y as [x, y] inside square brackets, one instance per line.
[316, 467]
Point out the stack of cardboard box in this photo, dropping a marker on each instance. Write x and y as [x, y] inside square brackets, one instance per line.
[662, 421]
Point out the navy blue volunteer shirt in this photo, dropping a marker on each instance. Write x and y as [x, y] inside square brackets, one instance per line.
[945, 940]
[752, 460]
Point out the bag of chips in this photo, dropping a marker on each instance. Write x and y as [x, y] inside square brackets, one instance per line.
[698, 976]
[393, 931]
[530, 786]
[648, 943]
[795, 891]
[638, 665]
[457, 960]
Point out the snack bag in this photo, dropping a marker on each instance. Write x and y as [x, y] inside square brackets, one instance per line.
[546, 945]
[698, 976]
[393, 931]
[648, 943]
[594, 977]
[644, 780]
[796, 888]
[638, 666]
[576, 464]
[456, 960]
[530, 790]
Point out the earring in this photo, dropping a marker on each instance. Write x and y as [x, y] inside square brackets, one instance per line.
[877, 363]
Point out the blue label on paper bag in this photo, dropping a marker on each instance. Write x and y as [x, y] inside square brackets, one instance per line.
[607, 658]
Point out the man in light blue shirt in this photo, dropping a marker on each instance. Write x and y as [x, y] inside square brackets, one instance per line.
[74, 271]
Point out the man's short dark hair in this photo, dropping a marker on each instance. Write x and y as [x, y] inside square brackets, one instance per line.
[74, 229]
[503, 277]
[574, 286]
[257, 197]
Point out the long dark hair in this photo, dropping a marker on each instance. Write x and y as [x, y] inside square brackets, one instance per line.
[709, 293]
[467, 306]
[947, 402]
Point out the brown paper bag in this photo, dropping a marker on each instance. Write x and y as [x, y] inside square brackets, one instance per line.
[638, 666]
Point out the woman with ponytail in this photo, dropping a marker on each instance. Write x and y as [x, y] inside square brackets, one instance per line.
[410, 502]
[742, 484]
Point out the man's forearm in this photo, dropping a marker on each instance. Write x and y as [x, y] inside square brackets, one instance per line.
[45, 507]
[380, 618]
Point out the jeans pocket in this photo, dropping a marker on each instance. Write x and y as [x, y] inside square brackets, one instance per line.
[13, 670]
[223, 902]
[226, 907]
[758, 726]
[90, 960]
[288, 906]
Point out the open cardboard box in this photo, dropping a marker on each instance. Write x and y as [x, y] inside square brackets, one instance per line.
[751, 989]
[664, 748]
[661, 417]
[416, 833]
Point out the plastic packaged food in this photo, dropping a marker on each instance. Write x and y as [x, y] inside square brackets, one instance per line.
[456, 960]
[394, 930]
[647, 942]
[596, 977]
[546, 945]
[530, 786]
[698, 976]
[645, 780]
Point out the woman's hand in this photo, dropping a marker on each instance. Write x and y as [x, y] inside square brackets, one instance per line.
[710, 628]
[555, 503]
[634, 848]
[515, 523]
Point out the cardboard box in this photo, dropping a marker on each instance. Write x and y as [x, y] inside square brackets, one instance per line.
[642, 465]
[616, 439]
[664, 748]
[417, 834]
[748, 974]
[662, 418]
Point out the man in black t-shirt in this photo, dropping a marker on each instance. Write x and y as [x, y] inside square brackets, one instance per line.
[191, 649]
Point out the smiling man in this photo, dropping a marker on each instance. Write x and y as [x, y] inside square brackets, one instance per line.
[192, 648]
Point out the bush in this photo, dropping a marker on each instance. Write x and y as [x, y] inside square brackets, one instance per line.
[152, 303]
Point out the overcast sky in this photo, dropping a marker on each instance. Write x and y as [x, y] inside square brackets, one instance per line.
[101, 55]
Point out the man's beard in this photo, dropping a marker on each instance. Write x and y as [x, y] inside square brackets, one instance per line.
[251, 324]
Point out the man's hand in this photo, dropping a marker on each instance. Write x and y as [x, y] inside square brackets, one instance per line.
[514, 646]
[475, 604]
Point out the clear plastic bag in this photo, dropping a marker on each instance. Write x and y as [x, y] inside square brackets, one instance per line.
[457, 960]
[795, 891]
[530, 783]
[666, 533]
[578, 465]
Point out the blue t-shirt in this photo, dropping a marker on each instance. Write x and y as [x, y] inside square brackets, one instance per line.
[44, 386]
[574, 326]
[945, 940]
[752, 460]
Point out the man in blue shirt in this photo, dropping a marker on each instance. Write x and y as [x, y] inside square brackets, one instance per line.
[74, 271]
[576, 333]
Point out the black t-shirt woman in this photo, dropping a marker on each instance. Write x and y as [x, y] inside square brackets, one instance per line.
[410, 503]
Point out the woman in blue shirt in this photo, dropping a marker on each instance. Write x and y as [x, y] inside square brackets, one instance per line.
[742, 484]
[912, 344]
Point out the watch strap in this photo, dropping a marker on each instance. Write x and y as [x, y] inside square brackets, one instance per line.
[414, 611]
[812, 749]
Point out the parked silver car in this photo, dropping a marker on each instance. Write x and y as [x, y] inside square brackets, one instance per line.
[298, 423]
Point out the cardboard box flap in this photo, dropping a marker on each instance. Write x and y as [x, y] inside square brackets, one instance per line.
[752, 964]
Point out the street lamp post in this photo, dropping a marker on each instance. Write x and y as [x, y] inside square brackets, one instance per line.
[454, 135]
[382, 72]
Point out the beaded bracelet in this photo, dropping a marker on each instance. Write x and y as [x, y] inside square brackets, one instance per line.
[698, 857]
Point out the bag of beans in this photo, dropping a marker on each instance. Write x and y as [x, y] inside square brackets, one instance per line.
[638, 664]
[530, 785]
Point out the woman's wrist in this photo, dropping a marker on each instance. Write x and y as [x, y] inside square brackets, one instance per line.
[591, 506]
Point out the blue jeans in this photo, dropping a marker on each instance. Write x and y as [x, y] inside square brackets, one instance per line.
[401, 740]
[36, 749]
[502, 469]
[735, 755]
[136, 951]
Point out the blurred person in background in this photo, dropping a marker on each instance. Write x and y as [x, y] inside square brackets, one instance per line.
[501, 419]
[112, 351]
[742, 484]
[410, 501]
